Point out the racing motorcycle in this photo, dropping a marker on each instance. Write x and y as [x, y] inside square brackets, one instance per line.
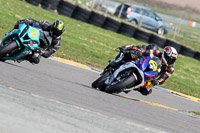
[129, 76]
[20, 42]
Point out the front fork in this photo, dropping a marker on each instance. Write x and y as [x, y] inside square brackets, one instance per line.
[23, 54]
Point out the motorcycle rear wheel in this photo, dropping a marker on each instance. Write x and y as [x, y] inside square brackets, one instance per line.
[121, 85]
[5, 49]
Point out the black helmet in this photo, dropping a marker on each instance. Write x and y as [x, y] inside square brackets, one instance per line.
[57, 28]
[152, 46]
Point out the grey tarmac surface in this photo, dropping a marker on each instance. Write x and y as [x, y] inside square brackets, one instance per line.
[70, 85]
[25, 113]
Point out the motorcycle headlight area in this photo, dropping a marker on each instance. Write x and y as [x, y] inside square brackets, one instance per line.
[30, 42]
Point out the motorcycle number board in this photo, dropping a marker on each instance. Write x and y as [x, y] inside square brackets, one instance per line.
[153, 65]
[33, 33]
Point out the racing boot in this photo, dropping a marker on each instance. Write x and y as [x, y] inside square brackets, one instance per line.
[33, 58]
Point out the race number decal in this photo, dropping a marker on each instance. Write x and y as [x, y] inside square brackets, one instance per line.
[153, 65]
[33, 33]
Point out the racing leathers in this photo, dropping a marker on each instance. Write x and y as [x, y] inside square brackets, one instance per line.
[48, 45]
[131, 52]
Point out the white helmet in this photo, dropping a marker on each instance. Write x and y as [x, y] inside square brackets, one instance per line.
[169, 55]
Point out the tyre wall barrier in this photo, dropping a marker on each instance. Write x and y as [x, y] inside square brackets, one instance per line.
[187, 51]
[111, 24]
[34, 2]
[142, 35]
[71, 10]
[65, 8]
[197, 55]
[173, 44]
[127, 30]
[81, 14]
[50, 4]
[157, 40]
[97, 19]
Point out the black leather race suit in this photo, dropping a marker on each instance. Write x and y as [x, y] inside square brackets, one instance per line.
[48, 45]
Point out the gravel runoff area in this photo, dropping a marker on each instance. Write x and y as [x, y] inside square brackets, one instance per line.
[21, 112]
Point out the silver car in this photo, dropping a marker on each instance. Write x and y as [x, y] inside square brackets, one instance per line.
[144, 17]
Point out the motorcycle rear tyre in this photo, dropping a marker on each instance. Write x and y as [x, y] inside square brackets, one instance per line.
[7, 48]
[118, 87]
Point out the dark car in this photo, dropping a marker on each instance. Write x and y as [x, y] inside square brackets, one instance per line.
[144, 17]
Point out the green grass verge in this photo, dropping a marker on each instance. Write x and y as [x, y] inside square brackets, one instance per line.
[95, 46]
[188, 36]
[196, 113]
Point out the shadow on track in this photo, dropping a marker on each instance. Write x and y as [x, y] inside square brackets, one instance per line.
[15, 65]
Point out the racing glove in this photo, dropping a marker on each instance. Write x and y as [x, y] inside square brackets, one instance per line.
[139, 53]
[125, 49]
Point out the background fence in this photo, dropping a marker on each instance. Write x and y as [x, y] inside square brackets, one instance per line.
[70, 9]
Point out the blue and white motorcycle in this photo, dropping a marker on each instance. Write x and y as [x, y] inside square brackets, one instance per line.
[19, 43]
[129, 76]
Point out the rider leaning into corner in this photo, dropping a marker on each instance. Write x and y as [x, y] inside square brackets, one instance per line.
[46, 49]
[167, 58]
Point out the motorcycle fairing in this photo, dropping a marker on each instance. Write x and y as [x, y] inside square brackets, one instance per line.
[127, 65]
[149, 66]
[28, 36]
[15, 31]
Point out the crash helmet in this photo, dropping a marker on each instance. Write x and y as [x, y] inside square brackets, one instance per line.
[152, 46]
[57, 28]
[169, 55]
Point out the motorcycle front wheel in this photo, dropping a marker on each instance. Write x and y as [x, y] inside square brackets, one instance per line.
[100, 81]
[121, 85]
[7, 48]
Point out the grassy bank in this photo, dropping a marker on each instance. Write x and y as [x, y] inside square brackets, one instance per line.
[95, 46]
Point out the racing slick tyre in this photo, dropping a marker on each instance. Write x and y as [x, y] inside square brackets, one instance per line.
[95, 83]
[121, 85]
[5, 49]
[100, 79]
[101, 84]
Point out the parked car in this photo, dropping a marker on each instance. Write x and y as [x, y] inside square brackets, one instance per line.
[144, 17]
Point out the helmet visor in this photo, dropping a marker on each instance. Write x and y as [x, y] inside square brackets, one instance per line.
[170, 60]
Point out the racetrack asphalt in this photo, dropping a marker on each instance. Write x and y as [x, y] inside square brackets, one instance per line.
[67, 88]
